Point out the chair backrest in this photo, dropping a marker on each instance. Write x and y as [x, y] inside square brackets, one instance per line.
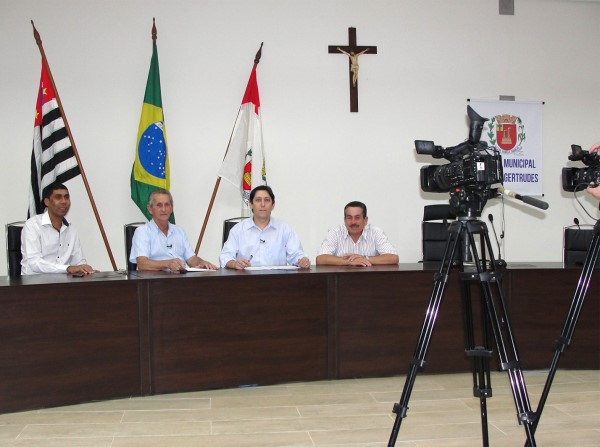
[129, 230]
[435, 234]
[13, 248]
[441, 212]
[228, 225]
[576, 242]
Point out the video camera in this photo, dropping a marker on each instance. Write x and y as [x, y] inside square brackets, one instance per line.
[472, 164]
[575, 179]
[473, 168]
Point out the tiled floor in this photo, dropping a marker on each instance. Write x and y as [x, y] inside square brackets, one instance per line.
[333, 413]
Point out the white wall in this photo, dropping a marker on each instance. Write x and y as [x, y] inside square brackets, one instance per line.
[432, 56]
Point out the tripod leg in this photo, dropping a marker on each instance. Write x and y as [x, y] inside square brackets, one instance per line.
[564, 341]
[418, 360]
[482, 387]
[480, 358]
[505, 342]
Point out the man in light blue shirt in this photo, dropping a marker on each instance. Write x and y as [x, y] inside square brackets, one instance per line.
[161, 245]
[262, 240]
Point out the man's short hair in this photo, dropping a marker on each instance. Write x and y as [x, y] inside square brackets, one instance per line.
[356, 204]
[156, 192]
[48, 190]
[262, 188]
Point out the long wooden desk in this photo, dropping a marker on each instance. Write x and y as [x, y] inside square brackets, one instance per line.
[67, 340]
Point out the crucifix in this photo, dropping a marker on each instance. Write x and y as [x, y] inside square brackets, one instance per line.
[352, 51]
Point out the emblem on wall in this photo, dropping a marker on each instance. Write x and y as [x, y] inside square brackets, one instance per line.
[507, 132]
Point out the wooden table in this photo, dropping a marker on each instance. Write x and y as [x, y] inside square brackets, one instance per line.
[67, 340]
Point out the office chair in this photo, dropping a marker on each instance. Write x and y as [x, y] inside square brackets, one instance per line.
[576, 241]
[129, 230]
[228, 225]
[13, 248]
[435, 234]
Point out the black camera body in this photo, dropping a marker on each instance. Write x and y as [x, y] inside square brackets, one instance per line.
[478, 168]
[472, 163]
[473, 168]
[575, 179]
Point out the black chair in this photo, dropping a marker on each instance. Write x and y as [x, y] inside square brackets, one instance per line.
[13, 248]
[576, 241]
[228, 225]
[129, 230]
[435, 234]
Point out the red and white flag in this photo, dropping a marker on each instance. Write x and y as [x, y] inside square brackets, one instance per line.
[244, 163]
[52, 158]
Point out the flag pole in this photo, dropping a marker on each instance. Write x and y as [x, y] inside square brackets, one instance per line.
[38, 41]
[218, 182]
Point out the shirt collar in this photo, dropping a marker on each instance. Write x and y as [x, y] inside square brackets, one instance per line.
[347, 235]
[158, 230]
[46, 219]
[272, 224]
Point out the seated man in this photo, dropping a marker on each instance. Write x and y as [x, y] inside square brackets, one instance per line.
[262, 240]
[49, 243]
[159, 244]
[356, 242]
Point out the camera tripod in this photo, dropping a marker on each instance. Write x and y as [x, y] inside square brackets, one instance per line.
[564, 341]
[495, 324]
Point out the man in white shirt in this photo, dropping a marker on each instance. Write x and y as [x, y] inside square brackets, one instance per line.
[49, 243]
[356, 242]
[161, 245]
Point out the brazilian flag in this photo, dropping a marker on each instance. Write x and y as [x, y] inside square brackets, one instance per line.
[151, 167]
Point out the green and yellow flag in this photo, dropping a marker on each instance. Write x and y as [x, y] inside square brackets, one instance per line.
[151, 167]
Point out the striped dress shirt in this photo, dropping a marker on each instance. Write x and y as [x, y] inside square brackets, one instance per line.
[372, 242]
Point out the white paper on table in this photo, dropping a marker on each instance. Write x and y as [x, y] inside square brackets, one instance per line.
[273, 267]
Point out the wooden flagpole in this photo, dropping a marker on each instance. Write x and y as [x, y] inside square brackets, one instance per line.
[38, 41]
[218, 182]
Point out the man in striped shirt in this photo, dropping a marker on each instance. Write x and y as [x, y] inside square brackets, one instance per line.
[356, 242]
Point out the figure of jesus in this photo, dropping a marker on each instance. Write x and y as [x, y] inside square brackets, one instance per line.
[353, 63]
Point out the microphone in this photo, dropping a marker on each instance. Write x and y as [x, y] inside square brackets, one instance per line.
[170, 246]
[576, 222]
[262, 241]
[491, 219]
[527, 199]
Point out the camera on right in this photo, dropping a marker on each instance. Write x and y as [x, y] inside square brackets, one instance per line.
[576, 179]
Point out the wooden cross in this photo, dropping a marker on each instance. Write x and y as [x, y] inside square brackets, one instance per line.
[352, 51]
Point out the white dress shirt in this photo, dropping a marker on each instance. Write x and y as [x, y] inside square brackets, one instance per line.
[48, 250]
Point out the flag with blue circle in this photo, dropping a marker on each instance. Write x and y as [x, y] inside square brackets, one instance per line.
[151, 166]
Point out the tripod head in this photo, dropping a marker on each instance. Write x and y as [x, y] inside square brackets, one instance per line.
[468, 201]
